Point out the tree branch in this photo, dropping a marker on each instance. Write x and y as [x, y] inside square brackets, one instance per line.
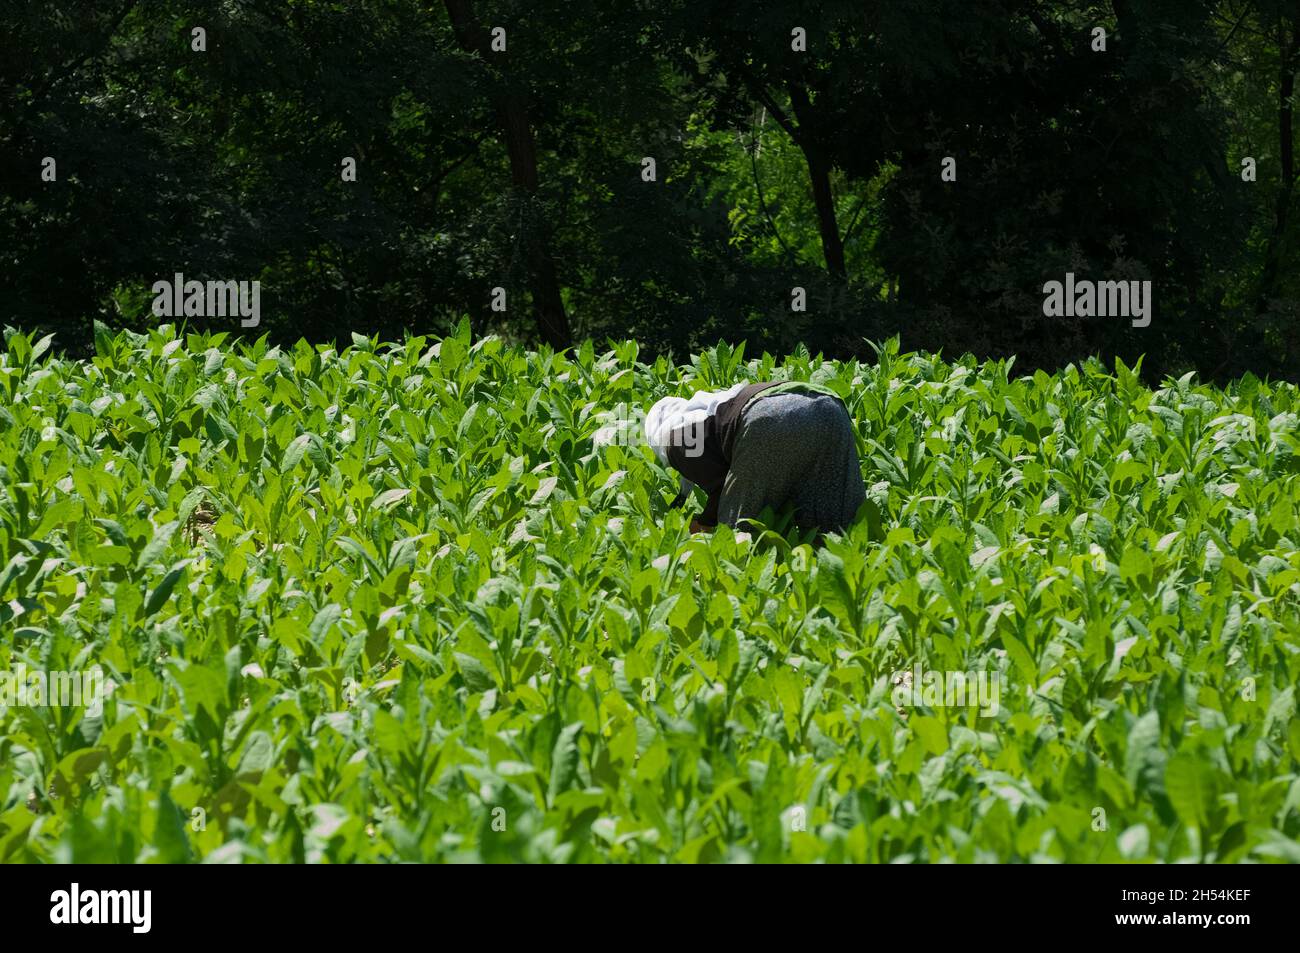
[759, 92]
[853, 220]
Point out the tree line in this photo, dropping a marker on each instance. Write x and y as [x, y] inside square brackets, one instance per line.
[677, 172]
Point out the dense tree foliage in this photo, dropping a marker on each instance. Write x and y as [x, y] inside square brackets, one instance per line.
[794, 145]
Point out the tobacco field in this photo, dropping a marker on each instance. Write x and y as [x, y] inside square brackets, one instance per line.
[426, 601]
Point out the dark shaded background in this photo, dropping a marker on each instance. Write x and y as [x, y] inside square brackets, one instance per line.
[775, 169]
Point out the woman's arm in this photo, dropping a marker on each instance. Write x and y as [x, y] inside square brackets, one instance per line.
[709, 515]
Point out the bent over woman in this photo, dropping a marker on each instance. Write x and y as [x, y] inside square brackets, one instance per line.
[757, 445]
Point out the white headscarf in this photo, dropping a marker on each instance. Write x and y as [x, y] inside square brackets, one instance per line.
[671, 413]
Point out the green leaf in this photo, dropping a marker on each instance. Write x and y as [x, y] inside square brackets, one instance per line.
[932, 733]
[157, 547]
[476, 674]
[544, 490]
[389, 498]
[564, 760]
[728, 654]
[293, 453]
[1190, 785]
[1135, 567]
[1143, 742]
[158, 598]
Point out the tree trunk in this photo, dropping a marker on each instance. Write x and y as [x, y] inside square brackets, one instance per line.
[512, 116]
[819, 172]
